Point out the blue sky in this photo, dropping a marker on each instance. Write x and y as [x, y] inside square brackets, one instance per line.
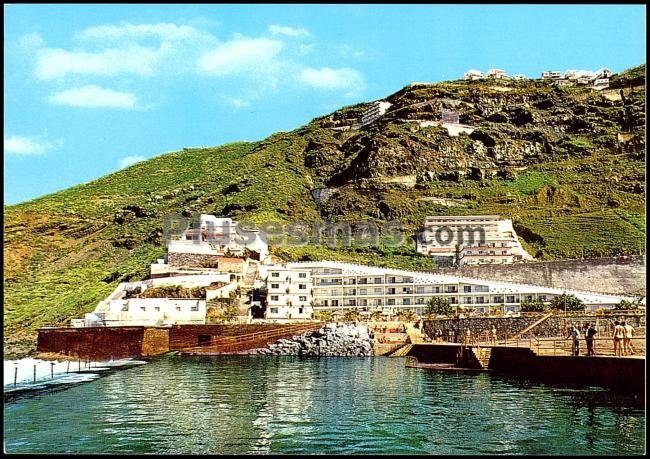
[90, 89]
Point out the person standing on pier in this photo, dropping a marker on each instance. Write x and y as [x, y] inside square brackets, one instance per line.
[574, 334]
[589, 338]
[628, 349]
[619, 334]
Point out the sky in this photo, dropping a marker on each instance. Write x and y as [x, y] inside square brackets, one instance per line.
[91, 89]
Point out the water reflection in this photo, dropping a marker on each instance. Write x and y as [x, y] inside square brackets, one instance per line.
[263, 404]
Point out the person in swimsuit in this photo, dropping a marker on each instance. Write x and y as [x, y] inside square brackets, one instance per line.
[619, 334]
[627, 338]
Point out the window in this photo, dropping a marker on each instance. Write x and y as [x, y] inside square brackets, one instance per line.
[274, 297]
[542, 297]
[142, 308]
[390, 302]
[419, 289]
[303, 298]
[510, 299]
[406, 301]
[378, 291]
[274, 310]
[467, 288]
[452, 300]
[299, 310]
[194, 307]
[335, 302]
[363, 291]
[178, 308]
[157, 308]
[275, 285]
[378, 280]
[275, 274]
[480, 300]
[302, 286]
[125, 307]
[391, 280]
[302, 275]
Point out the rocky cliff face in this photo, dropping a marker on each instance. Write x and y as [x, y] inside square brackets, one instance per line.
[517, 124]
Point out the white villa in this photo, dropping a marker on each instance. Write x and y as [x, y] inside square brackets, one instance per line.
[473, 75]
[123, 307]
[218, 237]
[497, 74]
[336, 286]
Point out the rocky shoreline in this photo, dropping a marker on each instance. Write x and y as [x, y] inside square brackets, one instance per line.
[333, 339]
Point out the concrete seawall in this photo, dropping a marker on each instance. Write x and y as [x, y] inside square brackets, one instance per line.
[123, 342]
[622, 373]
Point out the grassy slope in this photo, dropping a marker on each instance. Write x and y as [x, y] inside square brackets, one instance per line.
[66, 251]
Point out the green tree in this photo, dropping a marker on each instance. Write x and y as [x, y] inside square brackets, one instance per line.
[407, 315]
[626, 305]
[324, 315]
[438, 305]
[375, 315]
[534, 305]
[566, 302]
[351, 315]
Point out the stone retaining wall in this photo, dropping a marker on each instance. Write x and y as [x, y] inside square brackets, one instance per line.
[614, 275]
[510, 326]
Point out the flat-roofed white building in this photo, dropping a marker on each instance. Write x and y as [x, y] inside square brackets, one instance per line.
[375, 111]
[520, 76]
[601, 83]
[551, 75]
[289, 293]
[342, 286]
[123, 307]
[456, 236]
[603, 73]
[473, 74]
[497, 74]
[217, 237]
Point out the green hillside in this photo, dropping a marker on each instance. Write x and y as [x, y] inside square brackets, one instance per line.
[566, 164]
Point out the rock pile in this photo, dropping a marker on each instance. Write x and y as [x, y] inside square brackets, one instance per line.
[333, 339]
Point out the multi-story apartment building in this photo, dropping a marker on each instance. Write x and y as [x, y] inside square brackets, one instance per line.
[339, 286]
[457, 237]
[490, 251]
[376, 110]
[289, 293]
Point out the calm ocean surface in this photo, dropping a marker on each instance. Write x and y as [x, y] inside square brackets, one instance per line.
[263, 404]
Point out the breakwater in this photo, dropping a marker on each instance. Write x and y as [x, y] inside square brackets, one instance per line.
[333, 339]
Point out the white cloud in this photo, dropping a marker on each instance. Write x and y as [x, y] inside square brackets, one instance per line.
[31, 41]
[239, 55]
[162, 31]
[93, 96]
[238, 102]
[55, 63]
[130, 160]
[288, 31]
[24, 146]
[333, 79]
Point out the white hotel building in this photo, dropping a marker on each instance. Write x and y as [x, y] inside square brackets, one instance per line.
[336, 286]
[471, 239]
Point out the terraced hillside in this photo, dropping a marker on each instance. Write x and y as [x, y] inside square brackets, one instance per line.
[566, 164]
